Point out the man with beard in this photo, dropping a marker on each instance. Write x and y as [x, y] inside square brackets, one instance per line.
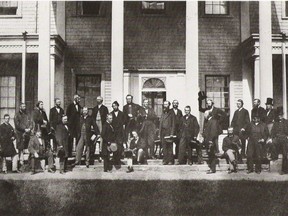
[239, 122]
[62, 138]
[99, 115]
[178, 117]
[270, 114]
[148, 128]
[89, 132]
[41, 121]
[218, 115]
[130, 111]
[73, 113]
[257, 133]
[189, 129]
[231, 146]
[258, 110]
[24, 126]
[117, 123]
[55, 117]
[166, 131]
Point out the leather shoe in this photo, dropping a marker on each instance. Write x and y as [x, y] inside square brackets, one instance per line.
[33, 173]
[130, 170]
[211, 172]
[16, 171]
[87, 165]
[5, 172]
[51, 171]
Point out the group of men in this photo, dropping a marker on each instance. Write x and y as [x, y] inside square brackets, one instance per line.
[135, 129]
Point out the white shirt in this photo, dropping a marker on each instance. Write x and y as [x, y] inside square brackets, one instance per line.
[175, 111]
[40, 141]
[116, 113]
[240, 109]
[58, 109]
[76, 106]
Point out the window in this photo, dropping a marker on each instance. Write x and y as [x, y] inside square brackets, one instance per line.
[216, 8]
[286, 8]
[88, 87]
[154, 90]
[217, 89]
[153, 7]
[88, 8]
[8, 7]
[8, 97]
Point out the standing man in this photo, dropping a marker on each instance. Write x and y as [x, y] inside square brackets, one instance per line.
[62, 139]
[41, 121]
[89, 132]
[188, 131]
[7, 136]
[24, 126]
[148, 129]
[258, 110]
[118, 121]
[131, 111]
[108, 135]
[166, 131]
[239, 122]
[73, 113]
[257, 133]
[270, 114]
[55, 118]
[178, 117]
[218, 115]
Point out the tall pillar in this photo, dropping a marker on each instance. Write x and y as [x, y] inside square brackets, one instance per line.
[23, 75]
[265, 39]
[44, 93]
[52, 80]
[192, 58]
[246, 70]
[257, 81]
[117, 49]
[284, 76]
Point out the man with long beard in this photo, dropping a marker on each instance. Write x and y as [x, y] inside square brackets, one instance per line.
[166, 131]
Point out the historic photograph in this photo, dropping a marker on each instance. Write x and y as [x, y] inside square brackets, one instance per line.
[143, 108]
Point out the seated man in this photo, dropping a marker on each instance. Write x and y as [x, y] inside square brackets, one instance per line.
[231, 147]
[137, 151]
[39, 151]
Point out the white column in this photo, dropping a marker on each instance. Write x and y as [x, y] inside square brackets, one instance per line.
[257, 81]
[52, 80]
[192, 69]
[284, 78]
[23, 75]
[265, 39]
[60, 16]
[117, 49]
[44, 54]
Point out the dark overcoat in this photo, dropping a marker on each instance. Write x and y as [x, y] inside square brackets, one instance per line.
[7, 136]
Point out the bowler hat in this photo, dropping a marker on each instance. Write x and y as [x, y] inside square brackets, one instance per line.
[269, 101]
[279, 110]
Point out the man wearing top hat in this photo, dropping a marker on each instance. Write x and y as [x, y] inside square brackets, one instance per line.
[270, 114]
[279, 135]
[257, 109]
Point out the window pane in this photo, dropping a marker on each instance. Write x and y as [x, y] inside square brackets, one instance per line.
[4, 91]
[91, 8]
[4, 102]
[216, 7]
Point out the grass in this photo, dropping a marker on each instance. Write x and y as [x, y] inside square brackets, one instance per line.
[123, 197]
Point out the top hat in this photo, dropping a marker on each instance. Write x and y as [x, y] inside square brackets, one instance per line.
[279, 110]
[112, 147]
[202, 95]
[269, 101]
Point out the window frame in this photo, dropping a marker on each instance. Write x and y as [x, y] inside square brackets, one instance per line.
[284, 15]
[18, 12]
[79, 10]
[204, 14]
[151, 12]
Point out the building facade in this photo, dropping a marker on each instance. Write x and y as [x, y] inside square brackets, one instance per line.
[154, 50]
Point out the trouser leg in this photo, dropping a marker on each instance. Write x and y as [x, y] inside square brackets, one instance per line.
[33, 164]
[199, 152]
[42, 163]
[170, 152]
[284, 160]
[87, 153]
[182, 151]
[165, 152]
[250, 152]
[177, 146]
[79, 150]
[106, 162]
[49, 155]
[4, 164]
[258, 157]
[14, 162]
[21, 156]
[190, 150]
[140, 156]
[62, 164]
[243, 146]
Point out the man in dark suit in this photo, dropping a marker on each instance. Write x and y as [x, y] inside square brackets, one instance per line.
[62, 139]
[118, 121]
[55, 115]
[89, 133]
[257, 133]
[24, 127]
[188, 130]
[41, 121]
[166, 131]
[108, 136]
[40, 151]
[239, 122]
[131, 111]
[73, 113]
[148, 127]
[270, 114]
[218, 115]
[258, 110]
[178, 118]
[99, 113]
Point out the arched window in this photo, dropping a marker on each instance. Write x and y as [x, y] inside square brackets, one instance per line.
[154, 83]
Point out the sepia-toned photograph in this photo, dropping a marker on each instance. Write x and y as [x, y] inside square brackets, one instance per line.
[143, 108]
